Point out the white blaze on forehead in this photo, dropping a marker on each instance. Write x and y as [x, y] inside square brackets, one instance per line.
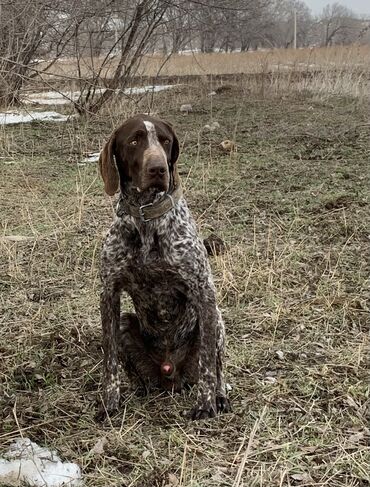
[153, 141]
[152, 133]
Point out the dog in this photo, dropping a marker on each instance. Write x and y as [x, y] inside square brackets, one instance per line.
[176, 336]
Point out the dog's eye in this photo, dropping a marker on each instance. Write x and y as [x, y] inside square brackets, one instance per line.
[166, 142]
[133, 142]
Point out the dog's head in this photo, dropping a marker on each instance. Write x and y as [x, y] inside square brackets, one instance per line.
[140, 154]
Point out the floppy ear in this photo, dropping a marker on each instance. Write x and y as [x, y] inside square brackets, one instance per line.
[108, 168]
[175, 149]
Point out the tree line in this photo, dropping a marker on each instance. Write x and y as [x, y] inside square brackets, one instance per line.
[125, 30]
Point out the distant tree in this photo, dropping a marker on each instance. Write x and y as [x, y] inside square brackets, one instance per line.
[337, 24]
[177, 28]
[281, 32]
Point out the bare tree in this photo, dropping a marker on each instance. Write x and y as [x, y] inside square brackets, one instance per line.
[177, 29]
[25, 27]
[135, 26]
[281, 30]
[337, 23]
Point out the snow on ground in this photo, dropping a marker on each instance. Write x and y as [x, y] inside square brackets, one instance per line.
[27, 463]
[65, 97]
[93, 157]
[13, 117]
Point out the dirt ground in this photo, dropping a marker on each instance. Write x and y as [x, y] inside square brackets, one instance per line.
[292, 206]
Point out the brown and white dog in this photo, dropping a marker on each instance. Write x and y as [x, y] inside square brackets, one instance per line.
[153, 252]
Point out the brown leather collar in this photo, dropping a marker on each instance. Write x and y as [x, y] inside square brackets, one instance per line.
[152, 211]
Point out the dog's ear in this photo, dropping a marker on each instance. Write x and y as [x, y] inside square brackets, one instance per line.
[108, 167]
[175, 151]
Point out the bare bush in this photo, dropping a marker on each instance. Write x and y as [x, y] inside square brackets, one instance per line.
[25, 32]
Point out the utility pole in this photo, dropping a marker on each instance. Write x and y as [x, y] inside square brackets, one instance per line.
[295, 30]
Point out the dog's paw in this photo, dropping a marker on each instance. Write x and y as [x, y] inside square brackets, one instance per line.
[203, 411]
[109, 405]
[223, 404]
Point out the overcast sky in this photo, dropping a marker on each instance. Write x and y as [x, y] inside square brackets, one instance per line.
[358, 6]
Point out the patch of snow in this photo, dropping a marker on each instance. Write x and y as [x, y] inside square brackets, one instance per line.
[26, 462]
[8, 118]
[55, 97]
[147, 89]
[93, 157]
[188, 52]
[65, 97]
[37, 61]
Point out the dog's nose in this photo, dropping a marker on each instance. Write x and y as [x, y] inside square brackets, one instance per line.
[157, 169]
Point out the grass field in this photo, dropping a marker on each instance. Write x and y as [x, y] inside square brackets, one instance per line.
[352, 57]
[292, 205]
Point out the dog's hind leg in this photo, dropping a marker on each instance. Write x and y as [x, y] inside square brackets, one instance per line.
[140, 369]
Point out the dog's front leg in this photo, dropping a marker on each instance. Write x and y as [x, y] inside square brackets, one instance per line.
[222, 402]
[206, 402]
[110, 317]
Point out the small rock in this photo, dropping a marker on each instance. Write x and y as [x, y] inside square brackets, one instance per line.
[357, 437]
[172, 480]
[280, 354]
[270, 380]
[301, 477]
[187, 108]
[211, 127]
[303, 355]
[98, 448]
[228, 146]
[228, 387]
[212, 93]
[271, 373]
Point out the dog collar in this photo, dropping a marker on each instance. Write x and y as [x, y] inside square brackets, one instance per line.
[151, 211]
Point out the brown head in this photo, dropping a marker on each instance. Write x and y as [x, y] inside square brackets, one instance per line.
[140, 154]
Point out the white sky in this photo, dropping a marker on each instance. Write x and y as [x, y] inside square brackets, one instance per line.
[361, 7]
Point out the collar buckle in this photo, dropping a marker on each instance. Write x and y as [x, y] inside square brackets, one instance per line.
[142, 214]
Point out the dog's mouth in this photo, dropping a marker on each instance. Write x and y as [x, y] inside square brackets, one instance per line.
[136, 196]
[157, 186]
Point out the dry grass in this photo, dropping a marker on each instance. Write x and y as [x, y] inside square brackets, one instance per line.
[293, 207]
[308, 59]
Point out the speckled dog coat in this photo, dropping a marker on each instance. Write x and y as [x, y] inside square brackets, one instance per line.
[153, 253]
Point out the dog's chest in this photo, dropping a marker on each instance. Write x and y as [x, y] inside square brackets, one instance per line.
[161, 295]
[155, 283]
